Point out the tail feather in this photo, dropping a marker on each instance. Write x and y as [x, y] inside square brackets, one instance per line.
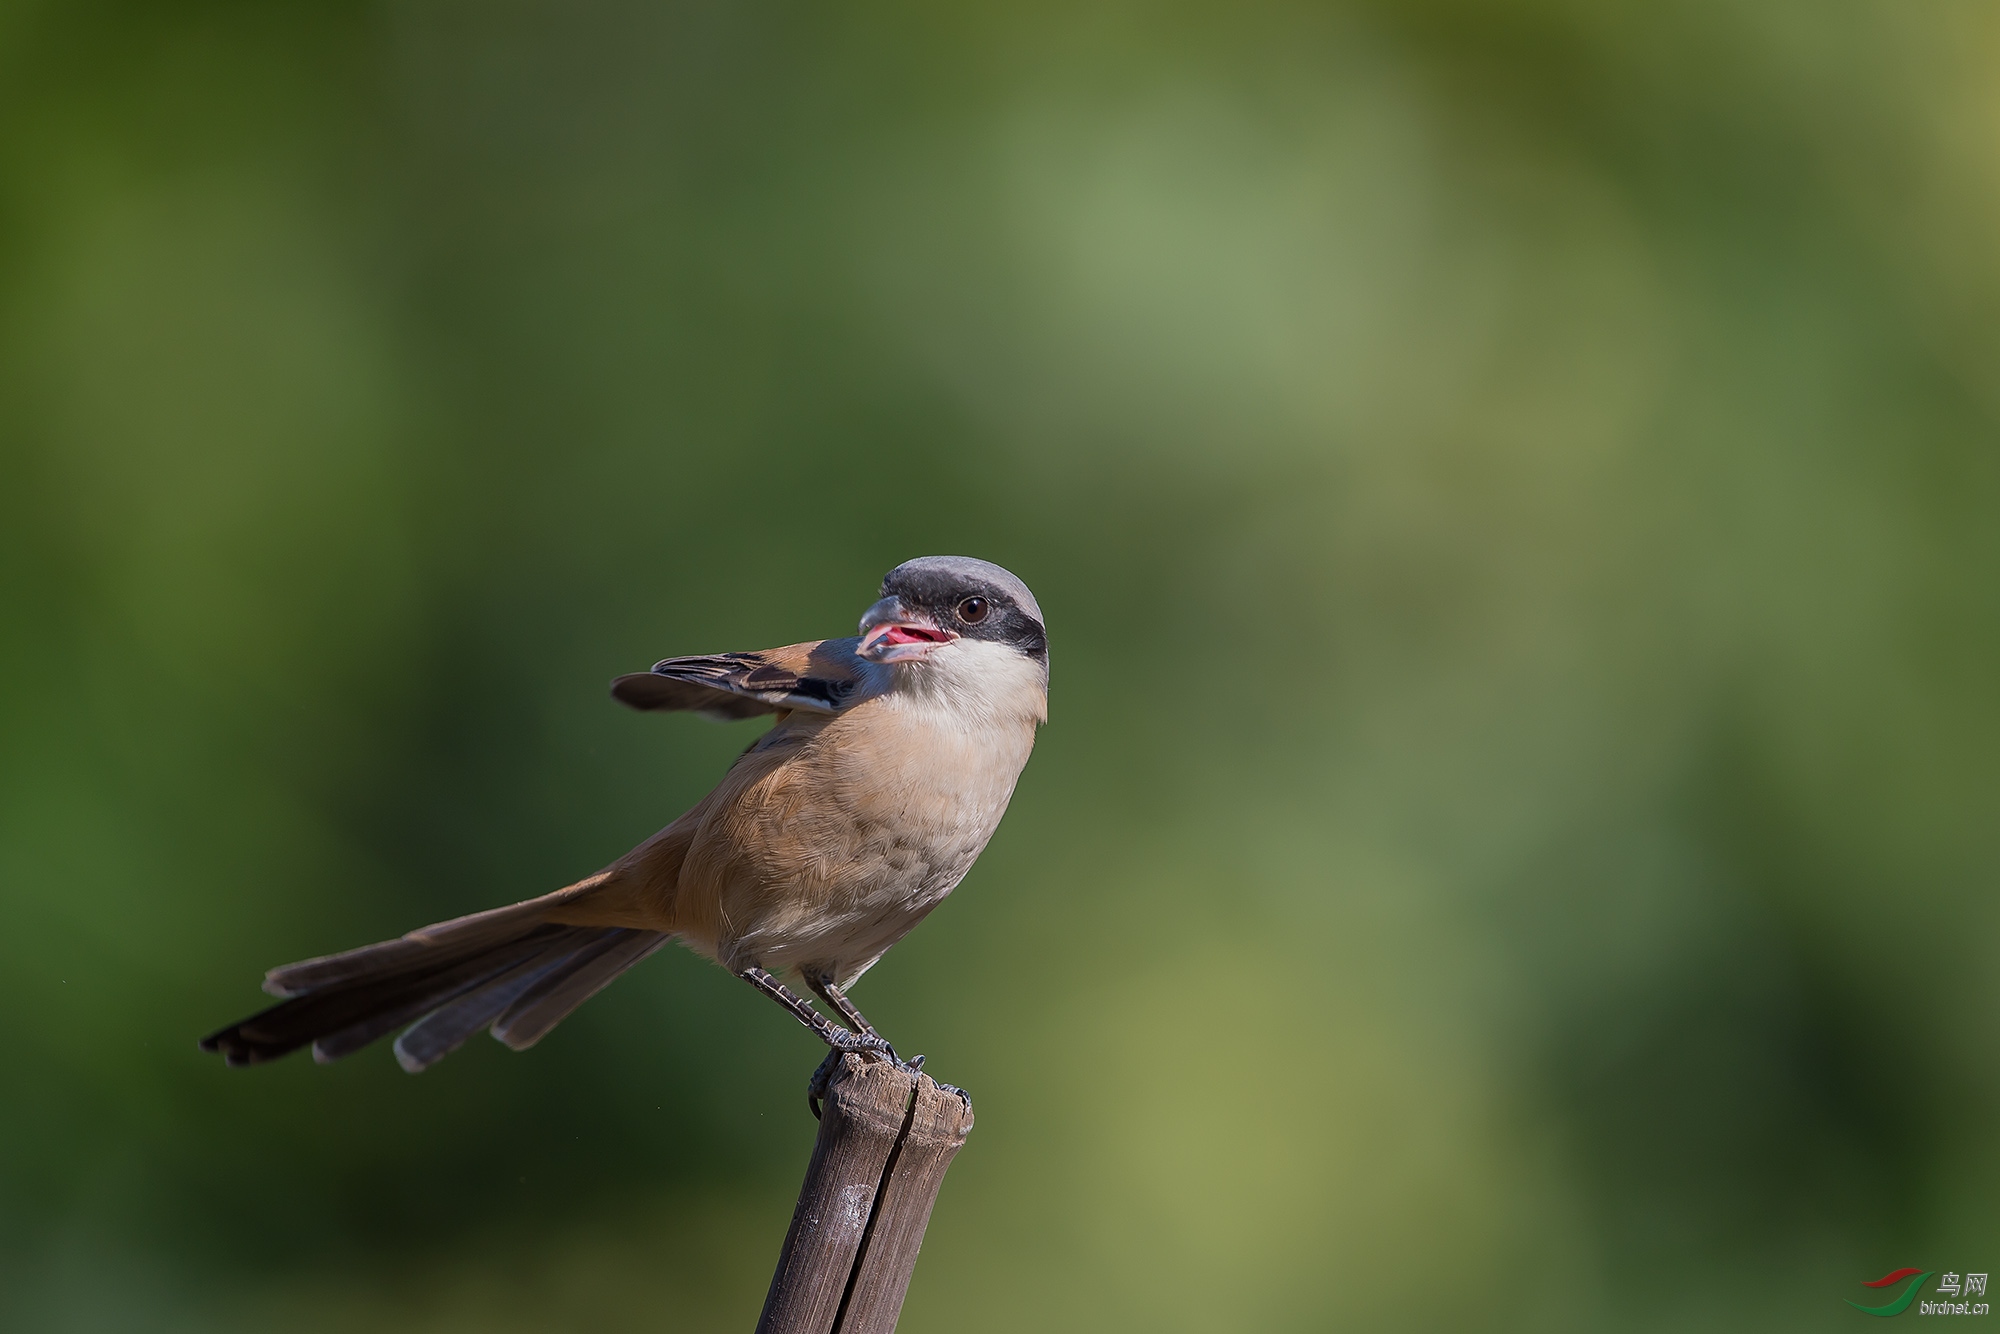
[420, 951]
[509, 968]
[333, 1010]
[444, 1031]
[451, 986]
[330, 1047]
[551, 999]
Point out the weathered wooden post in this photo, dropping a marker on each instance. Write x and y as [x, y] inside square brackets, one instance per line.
[886, 1137]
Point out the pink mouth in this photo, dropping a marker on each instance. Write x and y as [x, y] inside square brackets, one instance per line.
[912, 634]
[902, 641]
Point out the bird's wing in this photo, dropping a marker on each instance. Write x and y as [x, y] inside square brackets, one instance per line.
[823, 676]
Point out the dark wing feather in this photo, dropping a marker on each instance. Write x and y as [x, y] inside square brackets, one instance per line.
[819, 677]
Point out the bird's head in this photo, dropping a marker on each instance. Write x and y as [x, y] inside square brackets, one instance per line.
[935, 601]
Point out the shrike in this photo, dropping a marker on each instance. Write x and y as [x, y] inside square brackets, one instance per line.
[892, 760]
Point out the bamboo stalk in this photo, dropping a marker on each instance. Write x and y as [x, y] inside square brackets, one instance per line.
[886, 1138]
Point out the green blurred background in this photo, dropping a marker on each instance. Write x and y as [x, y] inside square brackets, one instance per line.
[1514, 489]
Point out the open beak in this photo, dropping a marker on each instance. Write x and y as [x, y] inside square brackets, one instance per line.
[892, 633]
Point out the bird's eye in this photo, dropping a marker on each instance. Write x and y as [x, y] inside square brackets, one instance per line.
[973, 610]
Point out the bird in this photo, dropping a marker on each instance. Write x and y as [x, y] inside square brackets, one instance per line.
[893, 757]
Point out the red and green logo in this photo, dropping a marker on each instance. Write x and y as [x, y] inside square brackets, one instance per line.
[1955, 1292]
[1902, 1303]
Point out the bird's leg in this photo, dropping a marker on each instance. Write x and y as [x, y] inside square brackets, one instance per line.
[829, 991]
[832, 1034]
[837, 1039]
[823, 987]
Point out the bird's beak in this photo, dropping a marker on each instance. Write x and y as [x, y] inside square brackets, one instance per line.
[890, 632]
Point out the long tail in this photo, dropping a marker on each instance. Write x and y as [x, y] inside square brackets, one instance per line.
[510, 969]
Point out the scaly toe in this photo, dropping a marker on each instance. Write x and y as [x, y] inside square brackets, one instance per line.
[844, 1040]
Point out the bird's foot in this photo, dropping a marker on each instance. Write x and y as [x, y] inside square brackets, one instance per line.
[822, 1076]
[843, 1040]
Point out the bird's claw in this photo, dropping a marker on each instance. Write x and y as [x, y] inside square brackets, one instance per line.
[816, 1087]
[841, 1042]
[862, 1044]
[846, 1040]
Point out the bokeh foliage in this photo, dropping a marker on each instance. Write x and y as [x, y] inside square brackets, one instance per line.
[1514, 490]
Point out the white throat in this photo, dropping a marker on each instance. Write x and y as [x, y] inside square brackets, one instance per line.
[980, 682]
